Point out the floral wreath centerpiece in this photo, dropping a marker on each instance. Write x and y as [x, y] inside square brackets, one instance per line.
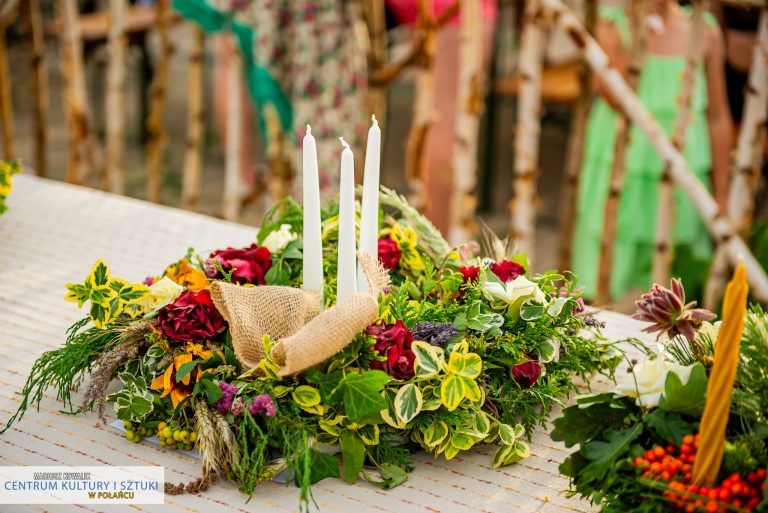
[425, 348]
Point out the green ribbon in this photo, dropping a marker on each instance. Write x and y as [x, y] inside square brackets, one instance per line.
[262, 86]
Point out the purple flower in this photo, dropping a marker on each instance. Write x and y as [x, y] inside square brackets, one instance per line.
[437, 334]
[263, 403]
[149, 281]
[211, 267]
[224, 404]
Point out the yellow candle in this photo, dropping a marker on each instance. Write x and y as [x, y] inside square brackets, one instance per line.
[713, 423]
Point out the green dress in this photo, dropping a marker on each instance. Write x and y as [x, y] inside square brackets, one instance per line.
[658, 88]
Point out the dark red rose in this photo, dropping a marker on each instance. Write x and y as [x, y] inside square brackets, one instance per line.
[527, 373]
[470, 273]
[250, 264]
[507, 271]
[192, 317]
[389, 253]
[393, 341]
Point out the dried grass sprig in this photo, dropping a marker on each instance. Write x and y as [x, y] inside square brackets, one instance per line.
[429, 236]
[131, 339]
[219, 451]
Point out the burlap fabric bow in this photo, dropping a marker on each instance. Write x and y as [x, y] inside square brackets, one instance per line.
[305, 336]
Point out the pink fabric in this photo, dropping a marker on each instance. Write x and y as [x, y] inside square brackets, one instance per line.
[405, 10]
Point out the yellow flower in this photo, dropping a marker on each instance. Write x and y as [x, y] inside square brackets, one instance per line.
[167, 380]
[406, 240]
[187, 276]
[182, 389]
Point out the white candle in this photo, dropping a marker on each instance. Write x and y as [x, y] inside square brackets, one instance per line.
[369, 217]
[347, 277]
[313, 244]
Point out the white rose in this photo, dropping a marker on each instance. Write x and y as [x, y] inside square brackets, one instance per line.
[279, 239]
[646, 382]
[161, 293]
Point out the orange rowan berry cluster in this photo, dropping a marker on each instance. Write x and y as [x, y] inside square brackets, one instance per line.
[675, 466]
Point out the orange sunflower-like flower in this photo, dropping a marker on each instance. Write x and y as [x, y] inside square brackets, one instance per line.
[183, 273]
[182, 389]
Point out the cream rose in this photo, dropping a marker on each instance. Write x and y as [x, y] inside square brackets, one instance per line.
[646, 382]
[161, 293]
[514, 293]
[279, 239]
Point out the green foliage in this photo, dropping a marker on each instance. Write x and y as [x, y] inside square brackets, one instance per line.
[64, 368]
[361, 395]
[8, 168]
[688, 398]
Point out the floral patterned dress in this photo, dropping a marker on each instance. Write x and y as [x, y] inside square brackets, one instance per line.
[311, 48]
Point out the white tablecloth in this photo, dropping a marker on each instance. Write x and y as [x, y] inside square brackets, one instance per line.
[52, 234]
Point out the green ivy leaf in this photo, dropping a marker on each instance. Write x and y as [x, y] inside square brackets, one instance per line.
[362, 398]
[392, 475]
[353, 455]
[330, 392]
[322, 465]
[689, 398]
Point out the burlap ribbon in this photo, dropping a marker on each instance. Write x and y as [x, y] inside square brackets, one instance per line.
[305, 337]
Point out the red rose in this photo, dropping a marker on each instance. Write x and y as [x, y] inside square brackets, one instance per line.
[507, 271]
[389, 253]
[250, 264]
[469, 273]
[393, 341]
[192, 317]
[527, 373]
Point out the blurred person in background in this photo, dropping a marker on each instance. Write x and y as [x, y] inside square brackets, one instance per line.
[707, 146]
[438, 146]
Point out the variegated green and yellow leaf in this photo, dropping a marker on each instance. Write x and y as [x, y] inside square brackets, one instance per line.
[99, 275]
[306, 396]
[408, 403]
[128, 293]
[429, 361]
[452, 391]
[100, 315]
[435, 433]
[77, 293]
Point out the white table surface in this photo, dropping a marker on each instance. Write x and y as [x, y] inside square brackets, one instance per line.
[52, 234]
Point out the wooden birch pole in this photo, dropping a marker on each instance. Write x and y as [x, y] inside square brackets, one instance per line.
[234, 136]
[375, 18]
[80, 144]
[749, 157]
[469, 108]
[157, 138]
[575, 156]
[190, 186]
[6, 102]
[115, 99]
[718, 224]
[279, 180]
[665, 211]
[35, 41]
[527, 131]
[619, 165]
[423, 108]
